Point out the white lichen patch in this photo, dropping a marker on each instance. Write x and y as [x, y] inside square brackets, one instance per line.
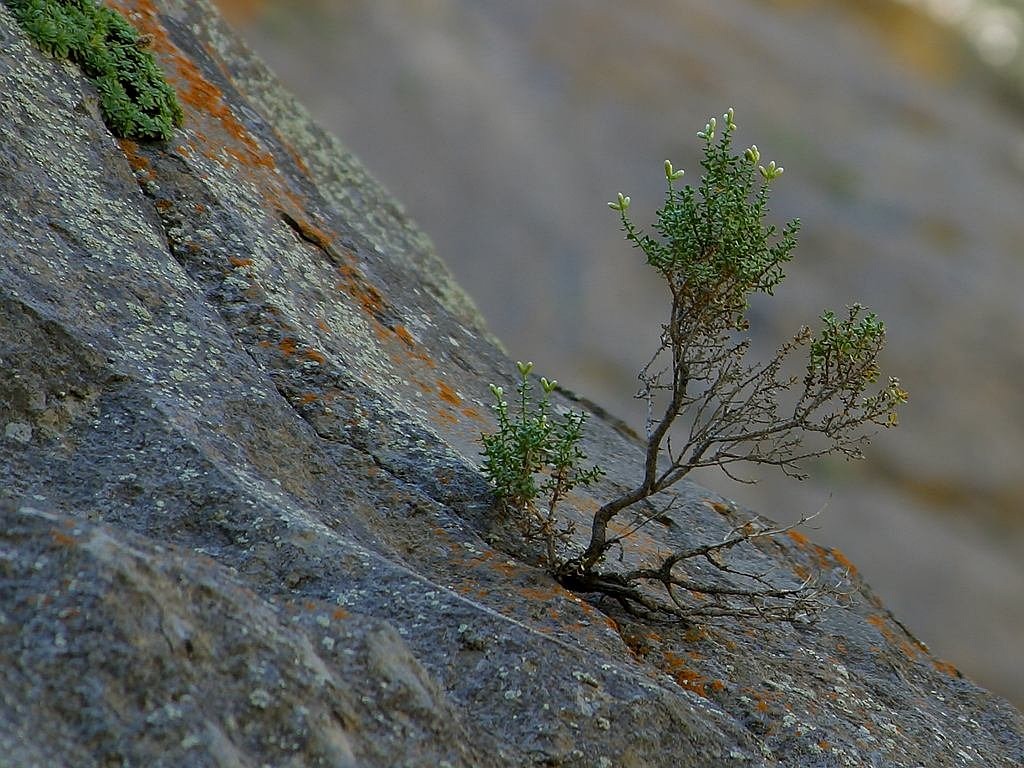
[18, 431]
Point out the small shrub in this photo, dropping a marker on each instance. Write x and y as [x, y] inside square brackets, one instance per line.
[708, 405]
[135, 99]
[529, 444]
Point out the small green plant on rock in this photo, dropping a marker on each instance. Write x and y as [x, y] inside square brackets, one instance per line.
[708, 405]
[135, 98]
[530, 444]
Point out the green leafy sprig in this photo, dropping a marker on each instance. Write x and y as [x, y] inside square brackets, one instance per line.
[135, 98]
[534, 444]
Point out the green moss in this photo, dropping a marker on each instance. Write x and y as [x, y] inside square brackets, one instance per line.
[135, 99]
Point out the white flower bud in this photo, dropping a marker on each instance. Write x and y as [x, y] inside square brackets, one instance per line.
[621, 203]
[671, 173]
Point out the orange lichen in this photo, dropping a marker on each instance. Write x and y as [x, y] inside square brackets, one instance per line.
[238, 261]
[63, 539]
[684, 676]
[423, 358]
[798, 538]
[472, 413]
[402, 332]
[539, 593]
[383, 336]
[294, 155]
[878, 622]
[307, 398]
[695, 634]
[480, 559]
[581, 502]
[339, 614]
[504, 568]
[448, 394]
[447, 416]
[295, 217]
[355, 284]
[315, 356]
[203, 97]
[910, 648]
[287, 345]
[636, 647]
[946, 668]
[719, 507]
[844, 561]
[138, 162]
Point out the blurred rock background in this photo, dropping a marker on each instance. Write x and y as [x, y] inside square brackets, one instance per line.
[505, 126]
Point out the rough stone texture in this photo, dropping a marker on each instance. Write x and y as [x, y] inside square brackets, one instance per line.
[507, 125]
[242, 522]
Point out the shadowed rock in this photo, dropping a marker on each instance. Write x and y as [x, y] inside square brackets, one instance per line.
[240, 400]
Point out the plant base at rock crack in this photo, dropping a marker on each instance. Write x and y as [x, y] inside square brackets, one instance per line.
[135, 98]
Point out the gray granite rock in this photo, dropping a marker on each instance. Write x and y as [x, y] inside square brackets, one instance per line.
[242, 521]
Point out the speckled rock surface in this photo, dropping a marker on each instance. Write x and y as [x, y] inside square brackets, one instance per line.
[242, 522]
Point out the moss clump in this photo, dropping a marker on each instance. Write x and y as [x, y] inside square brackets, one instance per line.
[136, 101]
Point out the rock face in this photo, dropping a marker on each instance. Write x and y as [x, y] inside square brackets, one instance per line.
[241, 520]
[904, 162]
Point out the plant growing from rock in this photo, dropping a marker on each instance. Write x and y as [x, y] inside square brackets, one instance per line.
[534, 443]
[135, 98]
[708, 405]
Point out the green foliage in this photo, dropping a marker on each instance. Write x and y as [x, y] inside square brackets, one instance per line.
[845, 350]
[135, 98]
[713, 247]
[533, 443]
